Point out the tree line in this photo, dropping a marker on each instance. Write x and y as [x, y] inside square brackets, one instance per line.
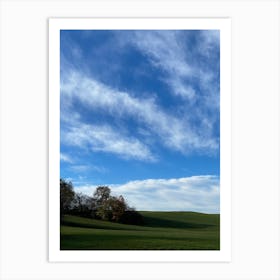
[101, 205]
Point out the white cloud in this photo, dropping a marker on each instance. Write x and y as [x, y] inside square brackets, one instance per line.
[166, 52]
[196, 193]
[104, 139]
[87, 167]
[210, 39]
[172, 132]
[65, 158]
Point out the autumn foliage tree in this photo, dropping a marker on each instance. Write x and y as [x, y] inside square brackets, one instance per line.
[109, 208]
[102, 205]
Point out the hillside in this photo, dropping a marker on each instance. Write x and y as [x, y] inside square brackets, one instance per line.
[162, 231]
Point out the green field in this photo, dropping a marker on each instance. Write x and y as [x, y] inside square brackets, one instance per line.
[162, 231]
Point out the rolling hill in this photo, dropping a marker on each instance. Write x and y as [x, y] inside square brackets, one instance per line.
[162, 231]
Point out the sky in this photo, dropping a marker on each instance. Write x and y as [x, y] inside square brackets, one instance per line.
[140, 113]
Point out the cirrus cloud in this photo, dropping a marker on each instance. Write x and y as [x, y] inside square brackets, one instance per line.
[172, 132]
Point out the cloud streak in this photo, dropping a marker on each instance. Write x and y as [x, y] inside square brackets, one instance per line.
[65, 158]
[80, 168]
[165, 52]
[168, 51]
[172, 132]
[191, 70]
[104, 139]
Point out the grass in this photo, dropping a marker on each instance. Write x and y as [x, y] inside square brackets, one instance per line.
[162, 231]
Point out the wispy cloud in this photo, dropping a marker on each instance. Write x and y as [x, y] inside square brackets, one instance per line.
[66, 158]
[80, 168]
[191, 70]
[177, 134]
[196, 193]
[210, 40]
[166, 52]
[104, 139]
[169, 51]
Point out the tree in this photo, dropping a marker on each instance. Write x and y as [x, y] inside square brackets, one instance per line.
[80, 202]
[102, 194]
[101, 198]
[118, 207]
[67, 195]
[83, 205]
[101, 205]
[108, 207]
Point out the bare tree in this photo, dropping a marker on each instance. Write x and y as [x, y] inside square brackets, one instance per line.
[67, 195]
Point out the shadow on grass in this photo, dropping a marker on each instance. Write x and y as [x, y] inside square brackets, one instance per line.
[96, 226]
[149, 222]
[158, 222]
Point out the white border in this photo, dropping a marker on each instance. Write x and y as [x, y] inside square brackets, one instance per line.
[24, 139]
[224, 254]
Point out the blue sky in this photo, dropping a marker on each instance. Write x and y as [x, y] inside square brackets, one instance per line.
[140, 113]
